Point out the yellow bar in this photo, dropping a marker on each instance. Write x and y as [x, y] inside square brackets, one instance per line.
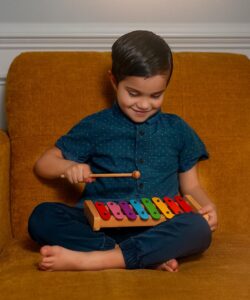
[163, 207]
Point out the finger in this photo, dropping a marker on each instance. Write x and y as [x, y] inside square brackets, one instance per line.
[212, 224]
[69, 177]
[213, 228]
[204, 213]
[87, 169]
[87, 180]
[90, 180]
[204, 210]
[87, 175]
[75, 176]
[80, 175]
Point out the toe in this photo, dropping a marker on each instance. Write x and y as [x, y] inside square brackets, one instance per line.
[45, 266]
[46, 251]
[172, 265]
[41, 267]
[47, 259]
[168, 268]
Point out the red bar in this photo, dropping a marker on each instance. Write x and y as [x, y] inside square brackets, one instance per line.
[183, 204]
[104, 213]
[172, 205]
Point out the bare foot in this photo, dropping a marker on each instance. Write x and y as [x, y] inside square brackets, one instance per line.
[170, 265]
[56, 258]
[59, 258]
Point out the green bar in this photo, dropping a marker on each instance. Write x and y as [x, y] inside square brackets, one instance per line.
[150, 207]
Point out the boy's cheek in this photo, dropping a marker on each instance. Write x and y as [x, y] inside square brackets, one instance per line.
[125, 100]
[157, 106]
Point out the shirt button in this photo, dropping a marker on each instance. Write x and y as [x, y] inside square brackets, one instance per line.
[141, 161]
[141, 132]
[141, 185]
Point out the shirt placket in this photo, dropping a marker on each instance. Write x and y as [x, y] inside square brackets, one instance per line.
[140, 157]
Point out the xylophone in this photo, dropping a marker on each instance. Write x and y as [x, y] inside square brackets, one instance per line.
[147, 212]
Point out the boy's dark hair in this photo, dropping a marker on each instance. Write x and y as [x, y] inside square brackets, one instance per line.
[141, 53]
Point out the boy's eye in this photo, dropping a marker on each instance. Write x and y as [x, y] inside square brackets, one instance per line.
[133, 94]
[156, 96]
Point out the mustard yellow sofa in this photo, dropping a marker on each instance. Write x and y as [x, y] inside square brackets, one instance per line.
[46, 93]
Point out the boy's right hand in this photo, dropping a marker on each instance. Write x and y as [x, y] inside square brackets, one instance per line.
[77, 173]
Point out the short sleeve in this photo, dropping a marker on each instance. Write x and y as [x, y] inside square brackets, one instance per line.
[77, 144]
[193, 149]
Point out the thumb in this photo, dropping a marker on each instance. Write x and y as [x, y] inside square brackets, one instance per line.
[86, 170]
[202, 210]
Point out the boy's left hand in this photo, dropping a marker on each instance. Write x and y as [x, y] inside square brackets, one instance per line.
[210, 209]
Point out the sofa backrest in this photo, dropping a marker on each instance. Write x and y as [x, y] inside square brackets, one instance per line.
[48, 92]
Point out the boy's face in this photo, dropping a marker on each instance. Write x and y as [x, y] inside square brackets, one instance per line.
[140, 98]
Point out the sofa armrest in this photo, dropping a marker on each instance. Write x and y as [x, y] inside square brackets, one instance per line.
[5, 227]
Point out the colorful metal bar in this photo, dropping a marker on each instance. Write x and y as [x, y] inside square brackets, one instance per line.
[104, 213]
[183, 204]
[115, 210]
[127, 210]
[139, 209]
[152, 210]
[163, 207]
[172, 205]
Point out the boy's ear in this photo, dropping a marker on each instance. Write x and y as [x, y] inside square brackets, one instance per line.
[112, 80]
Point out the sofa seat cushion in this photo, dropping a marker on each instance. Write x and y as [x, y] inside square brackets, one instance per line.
[222, 272]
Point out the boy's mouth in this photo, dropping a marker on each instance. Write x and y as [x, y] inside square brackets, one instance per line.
[140, 111]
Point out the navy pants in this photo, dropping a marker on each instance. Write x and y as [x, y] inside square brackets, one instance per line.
[142, 247]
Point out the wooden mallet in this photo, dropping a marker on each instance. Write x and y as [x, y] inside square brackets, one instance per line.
[134, 174]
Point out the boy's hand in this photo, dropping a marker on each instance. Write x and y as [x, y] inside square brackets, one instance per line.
[77, 173]
[210, 209]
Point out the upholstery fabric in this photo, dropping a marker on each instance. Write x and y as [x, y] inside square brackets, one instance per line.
[48, 92]
[5, 231]
[220, 273]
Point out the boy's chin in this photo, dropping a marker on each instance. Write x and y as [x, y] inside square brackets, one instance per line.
[138, 119]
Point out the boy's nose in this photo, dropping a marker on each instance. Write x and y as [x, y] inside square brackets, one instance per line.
[143, 104]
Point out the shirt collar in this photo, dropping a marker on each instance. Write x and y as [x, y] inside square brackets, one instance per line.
[119, 113]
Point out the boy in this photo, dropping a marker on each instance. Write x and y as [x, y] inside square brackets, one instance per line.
[133, 134]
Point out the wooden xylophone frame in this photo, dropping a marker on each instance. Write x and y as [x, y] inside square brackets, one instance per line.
[97, 222]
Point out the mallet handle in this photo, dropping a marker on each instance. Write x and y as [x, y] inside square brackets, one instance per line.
[112, 175]
[135, 175]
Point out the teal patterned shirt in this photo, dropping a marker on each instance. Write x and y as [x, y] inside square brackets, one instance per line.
[160, 148]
